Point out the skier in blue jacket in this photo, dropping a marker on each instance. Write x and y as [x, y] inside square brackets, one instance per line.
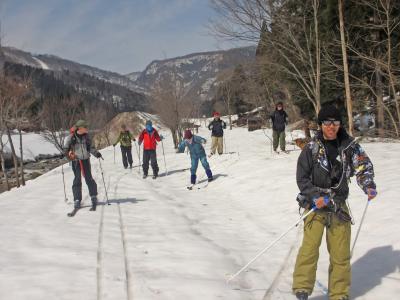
[197, 152]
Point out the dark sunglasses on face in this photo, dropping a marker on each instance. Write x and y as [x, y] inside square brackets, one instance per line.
[331, 122]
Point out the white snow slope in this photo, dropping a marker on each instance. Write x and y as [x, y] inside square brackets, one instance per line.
[157, 240]
[33, 144]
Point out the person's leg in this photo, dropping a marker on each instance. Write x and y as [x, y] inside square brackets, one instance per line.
[220, 141]
[282, 140]
[214, 144]
[193, 169]
[124, 156]
[206, 167]
[307, 258]
[129, 154]
[145, 163]
[77, 183]
[275, 139]
[154, 164]
[91, 184]
[338, 242]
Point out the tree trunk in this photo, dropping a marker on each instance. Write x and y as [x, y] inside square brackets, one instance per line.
[318, 57]
[349, 104]
[379, 102]
[174, 137]
[14, 155]
[3, 163]
[21, 153]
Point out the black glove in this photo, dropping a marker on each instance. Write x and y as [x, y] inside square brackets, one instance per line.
[303, 201]
[98, 155]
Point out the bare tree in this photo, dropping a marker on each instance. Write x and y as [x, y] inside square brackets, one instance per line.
[171, 104]
[21, 102]
[5, 108]
[58, 114]
[298, 44]
[99, 117]
[226, 91]
[382, 76]
[13, 94]
[345, 67]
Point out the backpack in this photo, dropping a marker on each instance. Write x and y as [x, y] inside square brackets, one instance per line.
[126, 137]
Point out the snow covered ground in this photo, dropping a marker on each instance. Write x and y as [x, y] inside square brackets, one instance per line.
[33, 145]
[157, 240]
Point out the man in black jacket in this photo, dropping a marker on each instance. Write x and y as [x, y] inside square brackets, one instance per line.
[279, 120]
[217, 127]
[324, 168]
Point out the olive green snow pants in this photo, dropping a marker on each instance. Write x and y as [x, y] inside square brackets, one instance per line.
[338, 243]
[279, 138]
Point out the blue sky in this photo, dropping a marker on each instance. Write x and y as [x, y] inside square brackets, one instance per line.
[117, 35]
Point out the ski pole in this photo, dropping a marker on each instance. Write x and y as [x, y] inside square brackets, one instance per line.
[165, 163]
[269, 139]
[359, 228]
[270, 245]
[104, 183]
[294, 144]
[223, 138]
[114, 155]
[138, 154]
[63, 177]
[140, 162]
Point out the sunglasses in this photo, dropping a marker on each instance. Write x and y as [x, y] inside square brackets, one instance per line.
[331, 122]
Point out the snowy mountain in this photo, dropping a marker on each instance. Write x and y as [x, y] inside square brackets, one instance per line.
[133, 76]
[157, 240]
[57, 64]
[49, 72]
[198, 70]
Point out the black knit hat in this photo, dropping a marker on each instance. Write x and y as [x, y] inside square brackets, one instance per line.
[329, 112]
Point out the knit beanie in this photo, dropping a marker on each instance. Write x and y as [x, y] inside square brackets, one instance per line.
[329, 112]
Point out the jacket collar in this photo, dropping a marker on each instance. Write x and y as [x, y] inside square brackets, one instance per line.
[344, 139]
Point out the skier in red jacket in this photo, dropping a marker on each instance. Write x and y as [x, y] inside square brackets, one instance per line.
[149, 137]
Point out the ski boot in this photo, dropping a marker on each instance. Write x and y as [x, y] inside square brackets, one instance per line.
[193, 179]
[192, 182]
[209, 175]
[144, 176]
[77, 204]
[155, 176]
[94, 203]
[130, 166]
[302, 295]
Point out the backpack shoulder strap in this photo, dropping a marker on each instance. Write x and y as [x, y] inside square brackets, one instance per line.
[315, 146]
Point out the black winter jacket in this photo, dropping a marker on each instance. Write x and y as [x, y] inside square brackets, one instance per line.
[217, 127]
[279, 120]
[316, 172]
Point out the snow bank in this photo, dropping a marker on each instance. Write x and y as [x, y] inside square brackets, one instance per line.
[165, 242]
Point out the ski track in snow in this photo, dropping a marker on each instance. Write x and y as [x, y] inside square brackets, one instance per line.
[157, 240]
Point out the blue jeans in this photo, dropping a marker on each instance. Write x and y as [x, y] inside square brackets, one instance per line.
[195, 164]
